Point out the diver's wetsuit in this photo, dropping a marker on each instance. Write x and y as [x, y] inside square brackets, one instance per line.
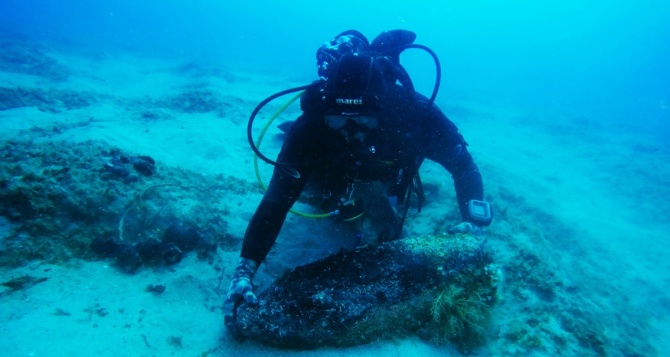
[409, 131]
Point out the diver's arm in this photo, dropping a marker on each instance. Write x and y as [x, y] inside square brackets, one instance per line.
[283, 191]
[258, 240]
[467, 180]
[300, 148]
[446, 146]
[265, 224]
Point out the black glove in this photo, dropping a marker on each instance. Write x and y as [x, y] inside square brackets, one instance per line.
[241, 290]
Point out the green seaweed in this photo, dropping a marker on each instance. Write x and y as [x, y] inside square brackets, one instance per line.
[461, 317]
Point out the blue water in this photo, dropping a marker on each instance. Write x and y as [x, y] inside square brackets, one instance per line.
[605, 64]
[606, 58]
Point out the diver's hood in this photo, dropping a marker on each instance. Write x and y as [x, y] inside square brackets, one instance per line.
[354, 86]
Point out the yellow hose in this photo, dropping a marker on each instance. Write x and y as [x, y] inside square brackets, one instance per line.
[258, 145]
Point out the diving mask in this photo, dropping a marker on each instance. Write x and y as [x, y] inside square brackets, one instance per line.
[340, 121]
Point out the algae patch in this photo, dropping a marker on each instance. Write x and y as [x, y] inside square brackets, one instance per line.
[58, 197]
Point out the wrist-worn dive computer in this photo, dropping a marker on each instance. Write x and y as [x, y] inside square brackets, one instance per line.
[480, 212]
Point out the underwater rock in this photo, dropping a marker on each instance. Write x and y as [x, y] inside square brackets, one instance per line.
[178, 239]
[105, 247]
[128, 259]
[22, 282]
[131, 179]
[117, 170]
[144, 165]
[155, 289]
[119, 165]
[373, 292]
[150, 250]
[171, 253]
[185, 236]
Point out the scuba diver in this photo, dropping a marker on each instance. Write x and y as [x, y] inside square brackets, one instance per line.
[362, 121]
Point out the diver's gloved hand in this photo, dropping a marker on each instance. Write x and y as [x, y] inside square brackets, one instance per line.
[465, 227]
[241, 290]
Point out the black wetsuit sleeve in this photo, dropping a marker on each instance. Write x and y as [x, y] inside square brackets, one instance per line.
[284, 189]
[446, 146]
[269, 217]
